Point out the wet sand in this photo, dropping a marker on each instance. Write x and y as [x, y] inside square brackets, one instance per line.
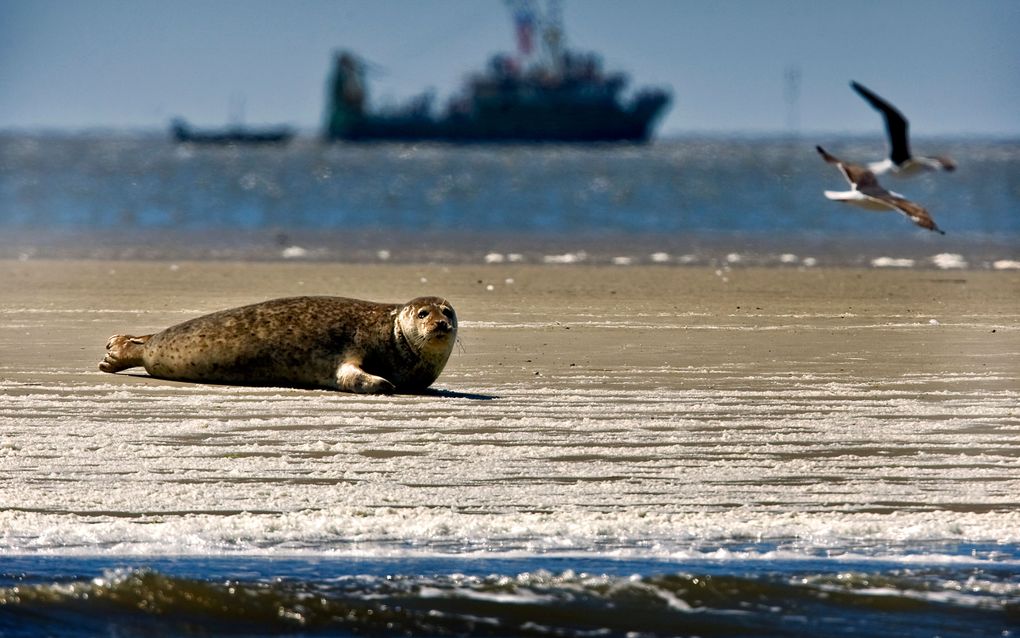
[586, 407]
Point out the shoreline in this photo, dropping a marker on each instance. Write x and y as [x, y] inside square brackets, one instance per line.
[915, 250]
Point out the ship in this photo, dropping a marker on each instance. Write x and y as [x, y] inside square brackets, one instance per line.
[541, 94]
[184, 133]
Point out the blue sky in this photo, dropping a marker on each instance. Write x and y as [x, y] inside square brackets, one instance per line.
[952, 67]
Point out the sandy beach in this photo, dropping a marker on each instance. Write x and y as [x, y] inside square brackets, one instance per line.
[585, 406]
[554, 322]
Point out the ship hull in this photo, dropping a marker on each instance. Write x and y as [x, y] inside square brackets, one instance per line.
[182, 133]
[599, 123]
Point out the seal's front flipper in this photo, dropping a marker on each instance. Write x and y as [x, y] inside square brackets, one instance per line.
[351, 378]
[123, 352]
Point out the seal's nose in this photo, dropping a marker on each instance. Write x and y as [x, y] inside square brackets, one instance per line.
[443, 325]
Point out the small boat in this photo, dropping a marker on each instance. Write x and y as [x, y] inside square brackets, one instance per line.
[182, 132]
[553, 95]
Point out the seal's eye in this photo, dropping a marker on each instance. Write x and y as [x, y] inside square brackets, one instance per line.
[448, 312]
[422, 314]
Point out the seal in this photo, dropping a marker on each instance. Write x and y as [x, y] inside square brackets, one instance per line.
[303, 342]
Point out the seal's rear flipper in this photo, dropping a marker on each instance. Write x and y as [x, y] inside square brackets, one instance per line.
[123, 352]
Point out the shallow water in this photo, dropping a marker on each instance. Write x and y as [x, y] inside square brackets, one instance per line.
[656, 462]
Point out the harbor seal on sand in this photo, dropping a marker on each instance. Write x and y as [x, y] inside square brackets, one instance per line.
[304, 342]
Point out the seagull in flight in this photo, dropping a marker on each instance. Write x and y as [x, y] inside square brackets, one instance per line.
[866, 192]
[900, 161]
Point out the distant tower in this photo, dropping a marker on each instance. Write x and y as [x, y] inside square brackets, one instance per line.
[237, 108]
[791, 94]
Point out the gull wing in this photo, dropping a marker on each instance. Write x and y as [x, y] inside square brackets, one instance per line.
[917, 213]
[895, 124]
[857, 175]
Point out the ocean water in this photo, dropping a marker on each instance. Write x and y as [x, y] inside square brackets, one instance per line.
[498, 597]
[686, 201]
[654, 501]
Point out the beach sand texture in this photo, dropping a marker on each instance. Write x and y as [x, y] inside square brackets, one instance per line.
[657, 409]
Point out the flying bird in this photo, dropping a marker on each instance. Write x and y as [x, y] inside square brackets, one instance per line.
[900, 161]
[866, 192]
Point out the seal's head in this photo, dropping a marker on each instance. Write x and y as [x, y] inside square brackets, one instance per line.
[429, 326]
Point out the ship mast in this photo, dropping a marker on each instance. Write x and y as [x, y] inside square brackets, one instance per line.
[552, 34]
[529, 19]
